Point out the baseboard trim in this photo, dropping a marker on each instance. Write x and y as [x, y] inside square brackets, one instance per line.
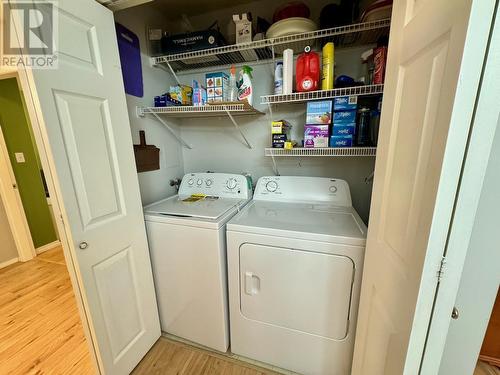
[47, 247]
[8, 262]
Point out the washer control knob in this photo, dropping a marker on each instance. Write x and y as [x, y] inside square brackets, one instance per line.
[191, 181]
[333, 189]
[209, 182]
[231, 183]
[272, 186]
[199, 182]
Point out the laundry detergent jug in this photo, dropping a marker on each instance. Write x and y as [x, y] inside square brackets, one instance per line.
[307, 71]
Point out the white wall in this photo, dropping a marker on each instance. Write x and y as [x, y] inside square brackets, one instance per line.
[217, 146]
[8, 250]
[154, 185]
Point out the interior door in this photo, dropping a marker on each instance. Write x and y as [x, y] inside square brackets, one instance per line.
[428, 104]
[82, 104]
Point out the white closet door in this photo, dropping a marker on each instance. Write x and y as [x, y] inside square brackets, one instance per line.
[84, 110]
[427, 108]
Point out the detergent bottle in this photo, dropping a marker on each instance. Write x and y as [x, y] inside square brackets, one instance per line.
[245, 89]
[307, 71]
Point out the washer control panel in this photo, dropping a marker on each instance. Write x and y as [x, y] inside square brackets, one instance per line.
[303, 189]
[215, 184]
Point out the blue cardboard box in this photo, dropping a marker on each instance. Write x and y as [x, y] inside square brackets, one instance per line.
[319, 113]
[345, 103]
[344, 129]
[344, 117]
[341, 141]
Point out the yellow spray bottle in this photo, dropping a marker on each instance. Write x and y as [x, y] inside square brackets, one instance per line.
[328, 62]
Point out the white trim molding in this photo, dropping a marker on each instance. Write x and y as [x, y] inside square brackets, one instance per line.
[8, 262]
[48, 247]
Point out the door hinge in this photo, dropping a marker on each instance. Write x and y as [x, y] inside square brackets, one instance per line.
[442, 266]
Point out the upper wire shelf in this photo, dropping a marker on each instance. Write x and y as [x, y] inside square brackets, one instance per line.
[267, 49]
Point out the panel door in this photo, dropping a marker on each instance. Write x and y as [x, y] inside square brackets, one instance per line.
[82, 104]
[424, 128]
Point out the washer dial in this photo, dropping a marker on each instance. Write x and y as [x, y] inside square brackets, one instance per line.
[272, 186]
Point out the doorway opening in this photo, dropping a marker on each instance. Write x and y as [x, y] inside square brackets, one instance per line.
[43, 330]
[489, 356]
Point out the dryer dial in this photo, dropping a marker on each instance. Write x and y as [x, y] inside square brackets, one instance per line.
[231, 183]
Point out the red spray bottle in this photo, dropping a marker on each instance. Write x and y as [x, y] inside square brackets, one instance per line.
[307, 71]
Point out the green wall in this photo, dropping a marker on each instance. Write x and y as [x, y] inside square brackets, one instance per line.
[18, 137]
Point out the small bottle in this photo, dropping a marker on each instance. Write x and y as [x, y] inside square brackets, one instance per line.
[233, 90]
[278, 78]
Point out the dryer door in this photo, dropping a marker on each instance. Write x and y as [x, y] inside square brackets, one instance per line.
[295, 289]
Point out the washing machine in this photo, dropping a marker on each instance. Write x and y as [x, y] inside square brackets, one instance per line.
[295, 260]
[187, 241]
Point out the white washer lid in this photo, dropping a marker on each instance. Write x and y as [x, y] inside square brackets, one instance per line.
[310, 221]
[208, 208]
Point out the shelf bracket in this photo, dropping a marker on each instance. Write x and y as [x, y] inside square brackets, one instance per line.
[173, 73]
[171, 131]
[237, 127]
[270, 112]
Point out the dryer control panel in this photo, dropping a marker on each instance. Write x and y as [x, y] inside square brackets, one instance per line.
[303, 189]
[215, 184]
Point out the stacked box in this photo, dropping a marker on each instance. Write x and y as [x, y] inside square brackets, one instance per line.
[344, 121]
[280, 133]
[318, 121]
[217, 87]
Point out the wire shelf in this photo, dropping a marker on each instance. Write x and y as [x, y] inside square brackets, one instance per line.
[330, 151]
[266, 49]
[299, 97]
[211, 110]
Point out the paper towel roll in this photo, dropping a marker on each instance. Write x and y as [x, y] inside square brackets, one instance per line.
[287, 71]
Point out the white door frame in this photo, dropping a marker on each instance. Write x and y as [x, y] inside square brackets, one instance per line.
[11, 199]
[28, 90]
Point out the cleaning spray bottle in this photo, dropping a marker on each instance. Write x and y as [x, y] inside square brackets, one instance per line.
[233, 90]
[245, 89]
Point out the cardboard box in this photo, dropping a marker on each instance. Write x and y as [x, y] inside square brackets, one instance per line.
[344, 117]
[319, 113]
[243, 28]
[341, 141]
[278, 140]
[280, 127]
[345, 103]
[316, 136]
[344, 129]
[217, 87]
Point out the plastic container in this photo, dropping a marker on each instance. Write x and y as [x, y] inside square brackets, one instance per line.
[278, 78]
[233, 90]
[328, 63]
[245, 89]
[307, 71]
[288, 71]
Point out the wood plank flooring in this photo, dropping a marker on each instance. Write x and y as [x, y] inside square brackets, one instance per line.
[169, 357]
[40, 329]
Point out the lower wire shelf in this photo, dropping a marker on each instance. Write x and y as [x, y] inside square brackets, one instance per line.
[327, 151]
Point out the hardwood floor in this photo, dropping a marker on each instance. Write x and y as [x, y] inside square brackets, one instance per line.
[483, 368]
[40, 329]
[169, 357]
